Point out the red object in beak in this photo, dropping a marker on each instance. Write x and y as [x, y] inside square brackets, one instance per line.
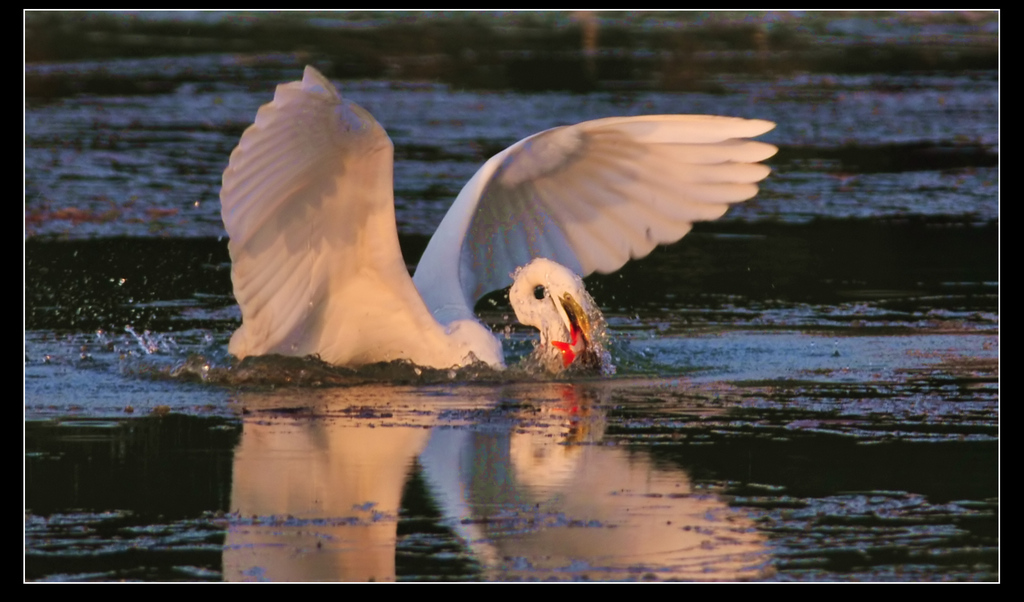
[568, 355]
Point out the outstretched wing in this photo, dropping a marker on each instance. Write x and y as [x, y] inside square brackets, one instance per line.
[590, 196]
[308, 203]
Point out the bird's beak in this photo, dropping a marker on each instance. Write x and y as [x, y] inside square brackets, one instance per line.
[578, 347]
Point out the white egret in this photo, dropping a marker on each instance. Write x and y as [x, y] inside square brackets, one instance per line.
[308, 203]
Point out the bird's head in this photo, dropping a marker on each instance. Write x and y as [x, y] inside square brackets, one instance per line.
[551, 298]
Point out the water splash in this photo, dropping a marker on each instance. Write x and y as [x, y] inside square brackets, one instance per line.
[151, 343]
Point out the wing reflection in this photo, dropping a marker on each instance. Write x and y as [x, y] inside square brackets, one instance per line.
[318, 490]
[549, 499]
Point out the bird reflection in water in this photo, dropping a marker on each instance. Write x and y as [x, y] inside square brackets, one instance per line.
[533, 491]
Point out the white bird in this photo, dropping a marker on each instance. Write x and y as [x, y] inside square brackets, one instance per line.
[308, 203]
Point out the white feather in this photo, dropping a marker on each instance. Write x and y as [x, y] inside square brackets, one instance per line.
[590, 196]
[307, 200]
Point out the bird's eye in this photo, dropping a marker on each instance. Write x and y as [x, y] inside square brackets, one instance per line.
[538, 292]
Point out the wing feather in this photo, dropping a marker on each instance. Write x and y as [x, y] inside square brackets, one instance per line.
[589, 196]
[308, 204]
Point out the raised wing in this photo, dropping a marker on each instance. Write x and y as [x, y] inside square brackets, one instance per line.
[308, 204]
[590, 196]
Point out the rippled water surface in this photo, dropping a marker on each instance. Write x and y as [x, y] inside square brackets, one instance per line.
[807, 389]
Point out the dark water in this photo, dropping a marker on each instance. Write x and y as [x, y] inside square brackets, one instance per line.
[807, 389]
